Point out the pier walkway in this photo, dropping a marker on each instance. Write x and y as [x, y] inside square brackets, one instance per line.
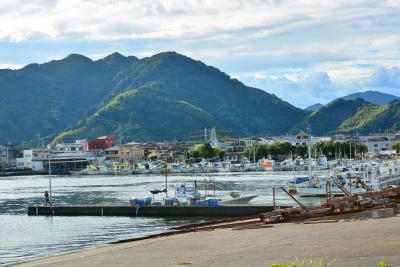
[151, 211]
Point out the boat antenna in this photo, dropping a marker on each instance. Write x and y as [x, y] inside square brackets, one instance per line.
[166, 178]
[309, 148]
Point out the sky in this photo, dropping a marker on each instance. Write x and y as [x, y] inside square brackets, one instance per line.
[305, 52]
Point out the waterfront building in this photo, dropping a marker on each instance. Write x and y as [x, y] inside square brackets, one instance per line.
[132, 153]
[9, 154]
[102, 142]
[112, 153]
[25, 162]
[76, 147]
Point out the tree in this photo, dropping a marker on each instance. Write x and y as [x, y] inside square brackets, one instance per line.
[396, 147]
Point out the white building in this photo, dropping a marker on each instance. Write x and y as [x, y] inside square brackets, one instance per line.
[78, 146]
[38, 156]
[301, 139]
[26, 161]
[378, 145]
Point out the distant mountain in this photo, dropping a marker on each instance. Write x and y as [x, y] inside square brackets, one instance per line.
[314, 107]
[347, 116]
[330, 117]
[374, 97]
[166, 96]
[169, 96]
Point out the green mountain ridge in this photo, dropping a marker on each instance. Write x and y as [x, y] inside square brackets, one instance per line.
[329, 118]
[349, 116]
[163, 97]
[81, 98]
[374, 118]
[192, 86]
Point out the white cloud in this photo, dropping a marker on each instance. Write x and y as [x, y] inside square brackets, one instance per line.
[10, 66]
[314, 49]
[319, 88]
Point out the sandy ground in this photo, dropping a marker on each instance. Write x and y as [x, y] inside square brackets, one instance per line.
[349, 243]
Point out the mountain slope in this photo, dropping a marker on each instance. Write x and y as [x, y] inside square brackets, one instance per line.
[374, 118]
[193, 87]
[90, 98]
[149, 117]
[374, 97]
[47, 98]
[330, 117]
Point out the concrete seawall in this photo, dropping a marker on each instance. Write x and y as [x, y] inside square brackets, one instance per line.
[151, 211]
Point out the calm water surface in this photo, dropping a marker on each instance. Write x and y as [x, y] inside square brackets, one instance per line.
[23, 237]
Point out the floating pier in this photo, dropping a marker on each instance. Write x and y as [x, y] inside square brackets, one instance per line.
[150, 211]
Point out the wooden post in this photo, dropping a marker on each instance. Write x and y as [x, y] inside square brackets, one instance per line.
[273, 196]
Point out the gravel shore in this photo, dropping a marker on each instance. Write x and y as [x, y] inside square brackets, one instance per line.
[348, 243]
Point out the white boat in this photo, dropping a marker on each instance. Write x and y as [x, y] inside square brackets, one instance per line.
[175, 168]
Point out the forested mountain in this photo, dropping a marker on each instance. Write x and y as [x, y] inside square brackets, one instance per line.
[162, 97]
[329, 118]
[374, 118]
[349, 116]
[47, 98]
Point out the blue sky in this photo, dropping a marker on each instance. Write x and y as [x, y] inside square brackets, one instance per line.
[302, 51]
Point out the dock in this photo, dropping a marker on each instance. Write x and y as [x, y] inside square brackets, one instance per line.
[150, 211]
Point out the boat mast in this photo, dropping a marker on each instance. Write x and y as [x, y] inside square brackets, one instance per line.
[309, 150]
[166, 178]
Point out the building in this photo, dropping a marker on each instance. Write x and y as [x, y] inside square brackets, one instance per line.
[132, 153]
[102, 143]
[376, 144]
[155, 150]
[301, 139]
[9, 154]
[38, 157]
[112, 153]
[78, 146]
[63, 158]
[25, 162]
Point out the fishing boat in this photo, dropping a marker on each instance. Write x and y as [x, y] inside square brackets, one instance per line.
[333, 186]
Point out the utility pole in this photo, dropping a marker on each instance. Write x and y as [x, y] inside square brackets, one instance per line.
[309, 150]
[50, 193]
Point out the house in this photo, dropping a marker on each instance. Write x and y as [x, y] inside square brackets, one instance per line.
[112, 153]
[102, 143]
[375, 144]
[233, 157]
[397, 136]
[132, 153]
[155, 150]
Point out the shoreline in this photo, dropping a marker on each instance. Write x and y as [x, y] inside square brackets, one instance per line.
[350, 243]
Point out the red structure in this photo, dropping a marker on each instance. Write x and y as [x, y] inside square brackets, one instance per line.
[102, 142]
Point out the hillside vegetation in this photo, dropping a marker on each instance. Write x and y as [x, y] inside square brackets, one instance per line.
[166, 96]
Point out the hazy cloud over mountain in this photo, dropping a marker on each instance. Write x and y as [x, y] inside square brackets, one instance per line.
[319, 88]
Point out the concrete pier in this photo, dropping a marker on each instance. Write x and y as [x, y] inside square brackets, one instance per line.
[150, 211]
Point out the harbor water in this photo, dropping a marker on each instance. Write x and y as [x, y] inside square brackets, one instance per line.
[25, 237]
